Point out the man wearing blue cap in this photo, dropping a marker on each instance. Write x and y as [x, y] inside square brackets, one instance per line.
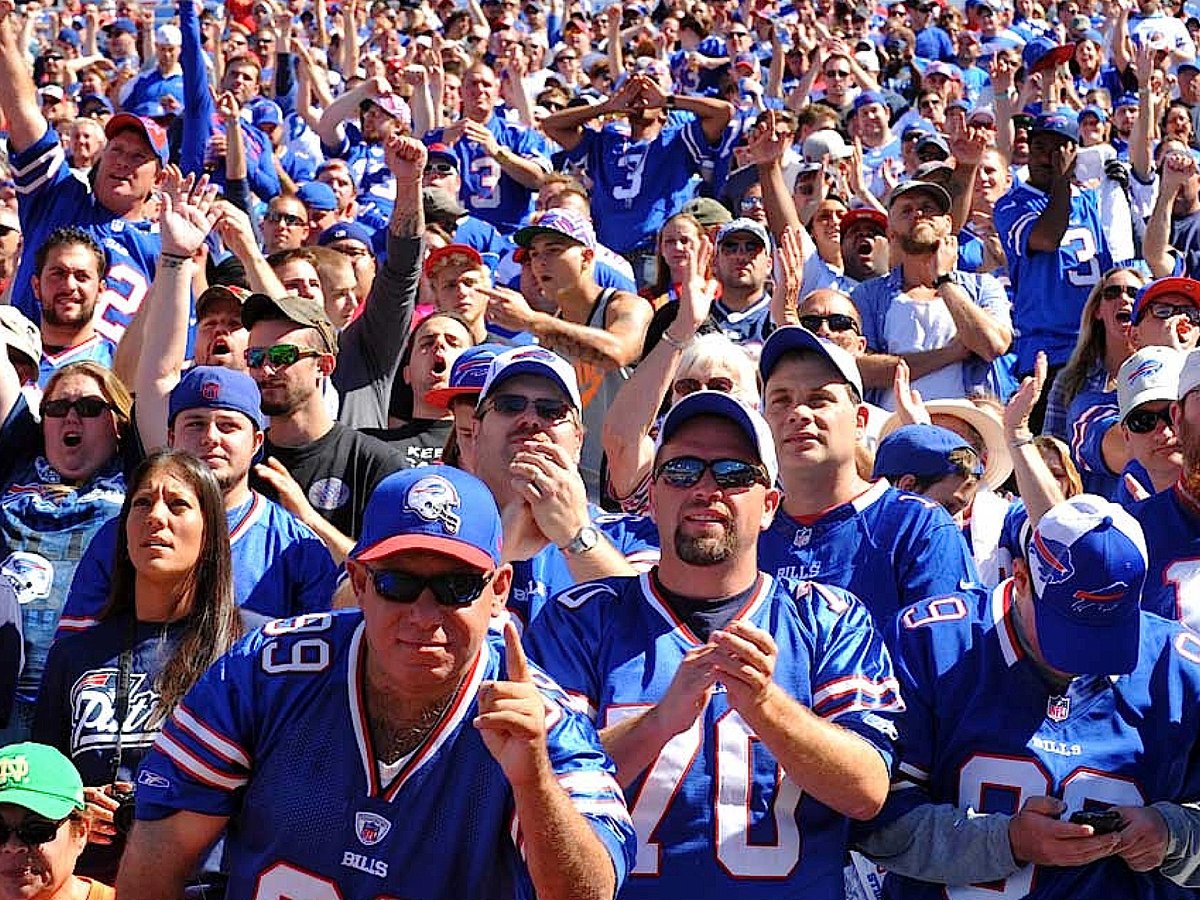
[1056, 246]
[870, 122]
[353, 241]
[112, 210]
[447, 765]
[1045, 729]
[745, 748]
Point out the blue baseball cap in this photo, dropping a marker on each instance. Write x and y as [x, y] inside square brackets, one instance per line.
[317, 195]
[926, 451]
[532, 361]
[70, 36]
[1087, 565]
[1093, 110]
[121, 26]
[797, 338]
[866, 98]
[345, 231]
[1062, 122]
[725, 406]
[1044, 53]
[432, 509]
[266, 112]
[1126, 100]
[216, 387]
[467, 375]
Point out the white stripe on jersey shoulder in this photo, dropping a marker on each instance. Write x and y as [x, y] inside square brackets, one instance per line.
[1001, 595]
[766, 585]
[55, 149]
[56, 160]
[358, 715]
[258, 506]
[223, 748]
[195, 766]
[871, 495]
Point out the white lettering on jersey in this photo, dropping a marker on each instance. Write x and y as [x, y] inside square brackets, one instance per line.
[364, 863]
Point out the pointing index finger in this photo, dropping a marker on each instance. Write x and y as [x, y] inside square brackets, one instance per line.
[518, 662]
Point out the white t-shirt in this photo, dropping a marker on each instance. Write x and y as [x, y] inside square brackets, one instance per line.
[912, 326]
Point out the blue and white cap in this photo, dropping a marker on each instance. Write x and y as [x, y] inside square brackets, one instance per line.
[725, 406]
[432, 509]
[532, 361]
[1087, 564]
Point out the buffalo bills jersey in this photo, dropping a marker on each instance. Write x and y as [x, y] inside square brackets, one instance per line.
[487, 190]
[1049, 289]
[97, 348]
[538, 579]
[638, 185]
[887, 547]
[51, 198]
[280, 567]
[44, 527]
[375, 182]
[1171, 523]
[291, 695]
[716, 815]
[983, 731]
[1091, 415]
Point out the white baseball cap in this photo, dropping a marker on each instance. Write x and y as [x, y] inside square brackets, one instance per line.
[1150, 374]
[1189, 375]
[532, 361]
[826, 142]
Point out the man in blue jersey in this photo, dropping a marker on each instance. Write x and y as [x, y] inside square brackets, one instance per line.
[749, 718]
[1171, 518]
[439, 762]
[500, 163]
[1055, 244]
[526, 445]
[642, 169]
[1050, 732]
[69, 277]
[887, 547]
[51, 196]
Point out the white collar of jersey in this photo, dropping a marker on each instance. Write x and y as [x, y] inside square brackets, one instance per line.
[454, 715]
[747, 612]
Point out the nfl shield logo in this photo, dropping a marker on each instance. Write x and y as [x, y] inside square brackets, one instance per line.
[1058, 708]
[803, 536]
[370, 828]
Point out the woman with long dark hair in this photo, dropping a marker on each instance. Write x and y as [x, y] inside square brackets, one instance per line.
[170, 615]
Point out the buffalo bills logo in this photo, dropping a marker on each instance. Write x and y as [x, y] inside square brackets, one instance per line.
[1144, 370]
[435, 499]
[31, 575]
[1053, 559]
[1099, 604]
[371, 828]
[211, 391]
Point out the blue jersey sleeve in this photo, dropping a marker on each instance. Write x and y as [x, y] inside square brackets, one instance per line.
[313, 572]
[198, 105]
[89, 587]
[1090, 417]
[937, 561]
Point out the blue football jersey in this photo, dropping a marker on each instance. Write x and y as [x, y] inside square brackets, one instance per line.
[291, 695]
[280, 567]
[982, 731]
[97, 348]
[538, 579]
[1089, 418]
[715, 814]
[638, 185]
[1049, 289]
[889, 548]
[51, 198]
[1171, 525]
[487, 190]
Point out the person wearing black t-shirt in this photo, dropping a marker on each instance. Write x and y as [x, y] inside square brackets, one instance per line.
[320, 470]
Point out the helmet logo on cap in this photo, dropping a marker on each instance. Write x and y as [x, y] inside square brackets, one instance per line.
[14, 769]
[211, 391]
[1054, 560]
[435, 499]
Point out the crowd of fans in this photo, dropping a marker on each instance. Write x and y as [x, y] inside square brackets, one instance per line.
[928, 274]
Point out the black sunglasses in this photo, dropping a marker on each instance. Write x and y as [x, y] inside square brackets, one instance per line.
[546, 408]
[31, 832]
[282, 218]
[87, 407]
[455, 589]
[685, 471]
[836, 321]
[1144, 421]
[685, 386]
[1116, 291]
[747, 246]
[440, 168]
[1170, 310]
[278, 355]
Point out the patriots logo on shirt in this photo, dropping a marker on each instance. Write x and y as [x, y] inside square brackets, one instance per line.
[371, 828]
[435, 499]
[1053, 559]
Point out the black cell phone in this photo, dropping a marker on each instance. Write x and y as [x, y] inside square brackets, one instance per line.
[1103, 822]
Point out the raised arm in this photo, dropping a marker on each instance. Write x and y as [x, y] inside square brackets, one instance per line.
[19, 98]
[1047, 232]
[566, 128]
[1177, 170]
[1035, 482]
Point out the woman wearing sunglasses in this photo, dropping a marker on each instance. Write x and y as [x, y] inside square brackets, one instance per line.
[60, 480]
[681, 363]
[170, 615]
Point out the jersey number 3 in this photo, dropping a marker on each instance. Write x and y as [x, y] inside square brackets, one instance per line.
[734, 742]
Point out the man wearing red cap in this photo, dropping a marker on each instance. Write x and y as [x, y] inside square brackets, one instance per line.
[112, 210]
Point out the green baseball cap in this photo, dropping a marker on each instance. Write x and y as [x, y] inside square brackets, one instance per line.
[41, 779]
